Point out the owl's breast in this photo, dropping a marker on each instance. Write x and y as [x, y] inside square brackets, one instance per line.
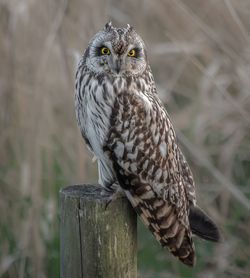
[94, 103]
[102, 105]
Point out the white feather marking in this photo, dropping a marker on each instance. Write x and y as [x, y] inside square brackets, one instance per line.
[119, 127]
[129, 145]
[156, 138]
[145, 100]
[133, 167]
[153, 127]
[163, 149]
[147, 195]
[165, 174]
[126, 165]
[133, 156]
[140, 136]
[157, 187]
[125, 134]
[145, 165]
[126, 124]
[151, 170]
[119, 149]
[158, 174]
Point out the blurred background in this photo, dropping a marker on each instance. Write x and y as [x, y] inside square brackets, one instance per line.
[200, 55]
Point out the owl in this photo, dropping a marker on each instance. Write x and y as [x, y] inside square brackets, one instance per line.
[126, 126]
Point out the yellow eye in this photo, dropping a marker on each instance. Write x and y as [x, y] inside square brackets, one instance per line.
[105, 51]
[132, 53]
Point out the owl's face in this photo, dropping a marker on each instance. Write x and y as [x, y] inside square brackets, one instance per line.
[116, 51]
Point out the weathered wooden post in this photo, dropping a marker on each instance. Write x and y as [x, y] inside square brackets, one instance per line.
[96, 242]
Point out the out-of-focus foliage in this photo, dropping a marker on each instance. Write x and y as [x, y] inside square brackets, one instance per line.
[200, 55]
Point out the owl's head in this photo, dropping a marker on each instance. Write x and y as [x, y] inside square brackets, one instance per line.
[116, 51]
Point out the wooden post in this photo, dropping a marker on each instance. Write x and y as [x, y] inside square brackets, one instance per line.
[96, 242]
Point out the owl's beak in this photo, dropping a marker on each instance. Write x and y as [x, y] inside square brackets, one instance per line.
[116, 67]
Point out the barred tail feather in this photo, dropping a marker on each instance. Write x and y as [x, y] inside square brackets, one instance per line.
[186, 252]
[161, 219]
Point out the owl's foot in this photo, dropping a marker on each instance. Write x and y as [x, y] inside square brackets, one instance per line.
[112, 195]
[107, 191]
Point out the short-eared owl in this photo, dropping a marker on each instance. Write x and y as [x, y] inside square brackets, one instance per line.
[125, 125]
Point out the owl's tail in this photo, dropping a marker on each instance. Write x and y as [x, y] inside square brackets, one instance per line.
[202, 225]
[161, 219]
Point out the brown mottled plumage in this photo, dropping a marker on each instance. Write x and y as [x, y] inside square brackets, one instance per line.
[128, 129]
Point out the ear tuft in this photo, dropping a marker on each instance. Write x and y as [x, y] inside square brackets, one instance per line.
[129, 28]
[108, 26]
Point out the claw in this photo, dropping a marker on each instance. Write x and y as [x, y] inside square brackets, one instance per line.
[109, 200]
[113, 195]
[106, 192]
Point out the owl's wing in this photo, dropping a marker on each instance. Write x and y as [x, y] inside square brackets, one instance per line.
[145, 155]
[188, 179]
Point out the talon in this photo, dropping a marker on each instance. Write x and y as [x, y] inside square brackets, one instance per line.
[108, 202]
[115, 195]
[107, 192]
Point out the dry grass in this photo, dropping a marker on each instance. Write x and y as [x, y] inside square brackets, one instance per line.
[199, 52]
